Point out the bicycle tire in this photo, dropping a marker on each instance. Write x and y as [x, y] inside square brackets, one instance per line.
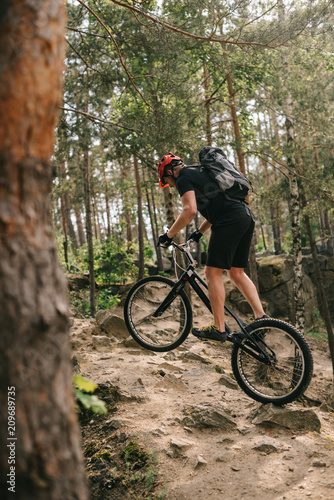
[162, 333]
[286, 378]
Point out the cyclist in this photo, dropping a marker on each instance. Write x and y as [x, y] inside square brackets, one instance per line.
[232, 226]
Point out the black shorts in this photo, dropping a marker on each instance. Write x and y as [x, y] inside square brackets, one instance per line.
[230, 241]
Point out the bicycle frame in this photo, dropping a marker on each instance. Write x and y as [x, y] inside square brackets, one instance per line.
[191, 276]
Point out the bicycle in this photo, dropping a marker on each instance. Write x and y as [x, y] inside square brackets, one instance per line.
[271, 360]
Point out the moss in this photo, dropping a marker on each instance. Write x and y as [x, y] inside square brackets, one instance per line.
[135, 455]
[91, 449]
[105, 454]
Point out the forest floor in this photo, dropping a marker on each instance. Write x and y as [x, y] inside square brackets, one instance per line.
[151, 446]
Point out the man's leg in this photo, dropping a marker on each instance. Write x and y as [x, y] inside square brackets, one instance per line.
[248, 290]
[214, 278]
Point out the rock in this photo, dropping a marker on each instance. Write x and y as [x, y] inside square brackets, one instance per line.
[169, 381]
[76, 282]
[227, 381]
[319, 463]
[266, 445]
[200, 462]
[208, 415]
[188, 355]
[112, 424]
[294, 419]
[225, 457]
[166, 264]
[112, 324]
[102, 343]
[76, 365]
[170, 356]
[130, 342]
[140, 351]
[179, 446]
[168, 367]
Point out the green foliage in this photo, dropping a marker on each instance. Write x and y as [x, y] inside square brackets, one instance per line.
[83, 390]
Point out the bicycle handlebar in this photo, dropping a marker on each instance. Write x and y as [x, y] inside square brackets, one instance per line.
[185, 248]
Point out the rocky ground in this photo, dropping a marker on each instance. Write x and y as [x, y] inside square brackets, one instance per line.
[179, 428]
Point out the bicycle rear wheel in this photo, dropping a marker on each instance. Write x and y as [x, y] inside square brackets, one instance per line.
[291, 368]
[162, 333]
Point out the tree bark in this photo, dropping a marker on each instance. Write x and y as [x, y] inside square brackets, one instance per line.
[126, 204]
[208, 126]
[158, 249]
[299, 313]
[81, 232]
[89, 231]
[35, 369]
[321, 294]
[106, 194]
[141, 264]
[240, 155]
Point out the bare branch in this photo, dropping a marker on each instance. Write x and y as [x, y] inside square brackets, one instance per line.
[117, 49]
[280, 165]
[210, 38]
[95, 118]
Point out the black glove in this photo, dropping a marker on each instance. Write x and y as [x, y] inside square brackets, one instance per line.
[195, 236]
[164, 241]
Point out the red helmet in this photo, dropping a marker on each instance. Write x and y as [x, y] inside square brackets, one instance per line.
[164, 161]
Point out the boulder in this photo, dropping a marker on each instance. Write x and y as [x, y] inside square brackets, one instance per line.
[102, 343]
[296, 419]
[207, 415]
[112, 324]
[228, 382]
[180, 446]
[170, 381]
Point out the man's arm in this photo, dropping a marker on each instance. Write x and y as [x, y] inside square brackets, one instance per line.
[204, 226]
[189, 210]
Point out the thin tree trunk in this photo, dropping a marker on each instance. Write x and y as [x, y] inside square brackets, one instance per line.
[141, 264]
[43, 441]
[129, 235]
[89, 232]
[158, 249]
[208, 127]
[63, 225]
[234, 115]
[321, 294]
[106, 194]
[69, 223]
[81, 232]
[299, 313]
[240, 154]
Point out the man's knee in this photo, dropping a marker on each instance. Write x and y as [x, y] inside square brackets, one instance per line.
[236, 274]
[212, 273]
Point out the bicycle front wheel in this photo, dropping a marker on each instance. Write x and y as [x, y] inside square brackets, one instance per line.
[290, 371]
[162, 333]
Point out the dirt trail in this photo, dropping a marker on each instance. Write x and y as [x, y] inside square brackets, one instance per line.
[232, 459]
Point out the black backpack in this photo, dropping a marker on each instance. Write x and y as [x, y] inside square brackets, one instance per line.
[233, 183]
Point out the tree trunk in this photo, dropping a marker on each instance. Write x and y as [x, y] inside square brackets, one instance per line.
[81, 232]
[69, 223]
[126, 204]
[141, 264]
[321, 294]
[240, 154]
[208, 127]
[43, 442]
[63, 225]
[299, 313]
[106, 194]
[234, 116]
[275, 206]
[89, 232]
[158, 249]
